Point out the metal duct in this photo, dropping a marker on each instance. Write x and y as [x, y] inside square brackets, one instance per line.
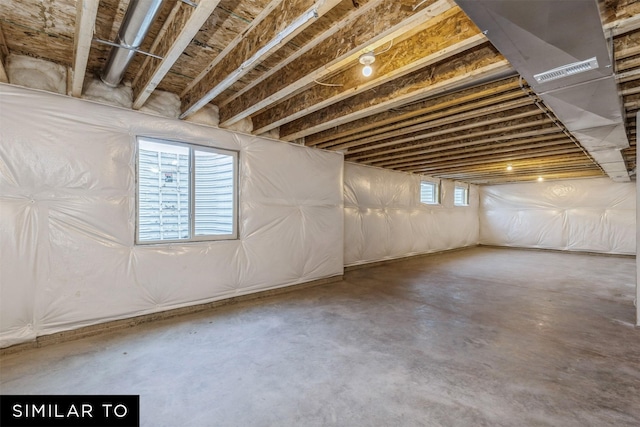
[135, 25]
[560, 48]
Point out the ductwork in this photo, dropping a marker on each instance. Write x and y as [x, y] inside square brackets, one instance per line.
[559, 47]
[135, 25]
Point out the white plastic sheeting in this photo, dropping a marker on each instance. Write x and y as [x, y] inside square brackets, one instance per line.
[384, 218]
[67, 218]
[594, 215]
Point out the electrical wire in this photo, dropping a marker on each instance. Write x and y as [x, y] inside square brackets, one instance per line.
[419, 4]
[386, 50]
[328, 84]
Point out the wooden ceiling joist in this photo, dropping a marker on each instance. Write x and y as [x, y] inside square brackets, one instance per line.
[491, 126]
[179, 29]
[541, 168]
[456, 102]
[471, 151]
[471, 109]
[531, 138]
[431, 122]
[4, 52]
[284, 22]
[85, 21]
[391, 17]
[542, 127]
[478, 63]
[547, 157]
[538, 166]
[449, 34]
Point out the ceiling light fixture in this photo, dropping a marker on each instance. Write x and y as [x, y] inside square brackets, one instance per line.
[540, 179]
[509, 167]
[367, 59]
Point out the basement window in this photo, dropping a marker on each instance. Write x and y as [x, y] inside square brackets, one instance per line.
[429, 193]
[185, 192]
[461, 195]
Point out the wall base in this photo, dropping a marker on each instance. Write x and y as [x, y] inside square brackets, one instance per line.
[118, 325]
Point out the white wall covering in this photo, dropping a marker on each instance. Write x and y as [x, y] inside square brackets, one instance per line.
[384, 218]
[67, 218]
[595, 215]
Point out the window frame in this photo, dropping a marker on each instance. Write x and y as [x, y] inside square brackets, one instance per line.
[192, 194]
[464, 187]
[437, 191]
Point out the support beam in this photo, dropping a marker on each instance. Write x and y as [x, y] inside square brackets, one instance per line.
[455, 102]
[479, 63]
[486, 127]
[446, 35]
[391, 17]
[86, 11]
[4, 52]
[484, 152]
[433, 121]
[179, 29]
[547, 157]
[543, 125]
[284, 22]
[470, 148]
[542, 134]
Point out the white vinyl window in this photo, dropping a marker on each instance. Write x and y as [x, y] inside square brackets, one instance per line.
[185, 192]
[429, 192]
[461, 195]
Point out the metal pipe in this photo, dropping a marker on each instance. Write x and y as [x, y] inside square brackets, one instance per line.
[135, 25]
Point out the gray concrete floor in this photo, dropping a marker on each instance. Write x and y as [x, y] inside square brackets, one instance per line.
[481, 337]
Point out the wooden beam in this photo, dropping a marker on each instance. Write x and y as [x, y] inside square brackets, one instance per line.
[539, 165]
[430, 122]
[449, 166]
[537, 135]
[4, 52]
[479, 63]
[383, 21]
[492, 179]
[626, 24]
[472, 150]
[178, 31]
[282, 24]
[484, 153]
[456, 102]
[446, 35]
[541, 168]
[489, 126]
[469, 109]
[86, 11]
[401, 151]
[364, 8]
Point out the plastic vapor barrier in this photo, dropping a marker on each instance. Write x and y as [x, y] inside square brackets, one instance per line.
[594, 215]
[68, 217]
[384, 218]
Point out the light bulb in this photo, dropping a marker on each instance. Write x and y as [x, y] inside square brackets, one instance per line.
[540, 179]
[367, 70]
[509, 167]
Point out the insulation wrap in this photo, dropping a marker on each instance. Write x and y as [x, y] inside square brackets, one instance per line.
[593, 215]
[68, 216]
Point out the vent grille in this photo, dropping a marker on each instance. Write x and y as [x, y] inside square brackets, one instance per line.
[567, 70]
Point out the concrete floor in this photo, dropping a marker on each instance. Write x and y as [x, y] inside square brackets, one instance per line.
[481, 337]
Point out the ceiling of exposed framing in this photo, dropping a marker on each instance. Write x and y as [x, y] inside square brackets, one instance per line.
[442, 100]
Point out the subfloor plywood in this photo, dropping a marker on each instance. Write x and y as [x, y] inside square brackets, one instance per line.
[484, 336]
